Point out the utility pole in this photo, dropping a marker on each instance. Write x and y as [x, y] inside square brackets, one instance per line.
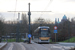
[17, 35]
[29, 13]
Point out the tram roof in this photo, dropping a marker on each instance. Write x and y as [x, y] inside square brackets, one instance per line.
[41, 27]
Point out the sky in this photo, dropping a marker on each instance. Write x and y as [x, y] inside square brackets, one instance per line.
[57, 7]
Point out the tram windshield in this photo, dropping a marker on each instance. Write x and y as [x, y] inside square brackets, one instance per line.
[44, 33]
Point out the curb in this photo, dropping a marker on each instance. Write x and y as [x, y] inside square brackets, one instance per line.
[3, 46]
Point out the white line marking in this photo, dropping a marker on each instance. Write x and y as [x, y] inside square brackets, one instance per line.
[45, 46]
[23, 48]
[68, 47]
[34, 48]
[59, 47]
[10, 48]
[62, 47]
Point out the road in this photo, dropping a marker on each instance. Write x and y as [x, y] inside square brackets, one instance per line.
[14, 46]
[35, 46]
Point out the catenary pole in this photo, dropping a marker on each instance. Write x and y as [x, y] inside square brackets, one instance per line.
[17, 35]
[29, 13]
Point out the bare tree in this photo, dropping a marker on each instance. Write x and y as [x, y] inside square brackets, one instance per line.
[73, 26]
[1, 29]
[24, 24]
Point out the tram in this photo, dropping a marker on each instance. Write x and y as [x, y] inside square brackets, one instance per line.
[43, 33]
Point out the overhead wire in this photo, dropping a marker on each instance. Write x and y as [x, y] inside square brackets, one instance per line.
[41, 12]
[46, 7]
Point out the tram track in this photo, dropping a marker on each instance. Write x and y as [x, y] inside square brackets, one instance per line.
[17, 46]
[35, 46]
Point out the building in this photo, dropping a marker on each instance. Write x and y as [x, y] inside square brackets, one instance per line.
[64, 18]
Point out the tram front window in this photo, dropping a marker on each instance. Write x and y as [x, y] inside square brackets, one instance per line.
[44, 33]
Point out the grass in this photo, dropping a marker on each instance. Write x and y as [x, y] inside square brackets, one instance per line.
[13, 40]
[50, 40]
[70, 40]
[9, 40]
